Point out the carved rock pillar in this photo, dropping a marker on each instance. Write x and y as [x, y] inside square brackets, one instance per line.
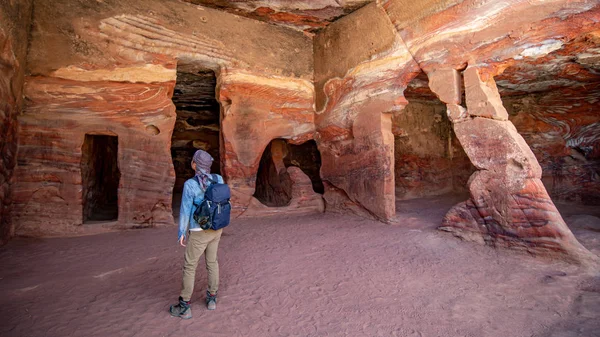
[509, 205]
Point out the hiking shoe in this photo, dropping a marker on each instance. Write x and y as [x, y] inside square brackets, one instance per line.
[211, 301]
[183, 309]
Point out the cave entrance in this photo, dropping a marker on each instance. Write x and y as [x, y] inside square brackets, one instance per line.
[429, 160]
[273, 183]
[197, 125]
[100, 178]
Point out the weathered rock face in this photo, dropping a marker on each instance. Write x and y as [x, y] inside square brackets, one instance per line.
[307, 157]
[307, 15]
[115, 74]
[15, 17]
[563, 130]
[273, 182]
[354, 126]
[115, 77]
[552, 100]
[303, 198]
[282, 188]
[141, 31]
[429, 160]
[447, 38]
[48, 192]
[257, 110]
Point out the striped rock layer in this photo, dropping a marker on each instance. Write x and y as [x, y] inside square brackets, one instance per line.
[116, 70]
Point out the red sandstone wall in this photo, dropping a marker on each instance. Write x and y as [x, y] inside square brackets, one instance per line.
[256, 110]
[563, 130]
[111, 70]
[59, 113]
[429, 160]
[14, 30]
[360, 82]
[68, 33]
[198, 122]
[509, 206]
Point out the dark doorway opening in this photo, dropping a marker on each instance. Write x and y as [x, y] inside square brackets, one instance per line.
[100, 178]
[428, 157]
[197, 125]
[273, 183]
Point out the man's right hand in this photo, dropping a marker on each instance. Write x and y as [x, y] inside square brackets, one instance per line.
[181, 241]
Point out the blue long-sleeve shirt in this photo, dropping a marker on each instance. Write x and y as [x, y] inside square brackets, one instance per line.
[192, 197]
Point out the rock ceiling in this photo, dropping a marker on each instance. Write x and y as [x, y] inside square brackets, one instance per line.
[306, 15]
[573, 65]
[569, 64]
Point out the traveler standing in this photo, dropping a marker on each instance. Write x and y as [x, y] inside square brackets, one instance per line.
[199, 241]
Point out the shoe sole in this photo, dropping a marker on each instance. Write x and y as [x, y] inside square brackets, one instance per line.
[182, 317]
[179, 316]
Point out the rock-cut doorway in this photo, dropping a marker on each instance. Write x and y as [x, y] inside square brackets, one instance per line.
[197, 125]
[100, 178]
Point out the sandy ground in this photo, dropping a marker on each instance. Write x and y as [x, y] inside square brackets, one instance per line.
[328, 275]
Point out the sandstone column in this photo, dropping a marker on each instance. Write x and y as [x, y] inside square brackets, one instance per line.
[509, 205]
[360, 161]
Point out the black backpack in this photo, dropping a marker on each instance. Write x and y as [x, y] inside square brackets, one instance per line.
[215, 210]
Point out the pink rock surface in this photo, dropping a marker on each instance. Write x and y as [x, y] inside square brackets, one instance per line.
[446, 83]
[15, 19]
[257, 110]
[482, 95]
[307, 15]
[115, 75]
[564, 133]
[354, 130]
[451, 37]
[48, 192]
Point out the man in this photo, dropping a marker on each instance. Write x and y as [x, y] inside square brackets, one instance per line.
[200, 241]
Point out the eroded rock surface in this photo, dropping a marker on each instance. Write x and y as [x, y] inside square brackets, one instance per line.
[307, 15]
[257, 110]
[303, 199]
[15, 17]
[198, 122]
[116, 77]
[48, 193]
[117, 69]
[354, 127]
[509, 205]
[428, 158]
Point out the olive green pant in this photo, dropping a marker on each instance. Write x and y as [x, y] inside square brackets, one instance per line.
[203, 242]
